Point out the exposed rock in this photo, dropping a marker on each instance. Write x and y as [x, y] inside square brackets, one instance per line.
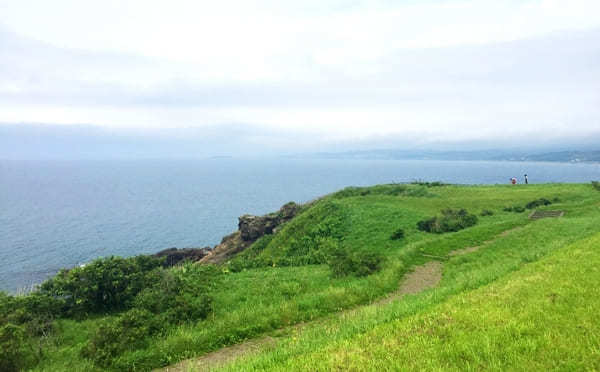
[175, 256]
[230, 245]
[253, 227]
[250, 228]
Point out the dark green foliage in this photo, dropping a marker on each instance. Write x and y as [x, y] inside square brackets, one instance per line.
[537, 203]
[16, 352]
[25, 323]
[179, 295]
[596, 185]
[515, 209]
[129, 331]
[429, 184]
[103, 285]
[172, 297]
[486, 212]
[450, 220]
[345, 263]
[398, 234]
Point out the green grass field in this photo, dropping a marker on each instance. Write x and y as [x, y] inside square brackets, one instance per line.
[526, 300]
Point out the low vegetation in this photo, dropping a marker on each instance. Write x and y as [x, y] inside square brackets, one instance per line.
[344, 250]
[596, 185]
[486, 212]
[450, 220]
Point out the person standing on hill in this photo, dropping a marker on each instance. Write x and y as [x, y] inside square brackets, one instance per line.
[526, 180]
[513, 181]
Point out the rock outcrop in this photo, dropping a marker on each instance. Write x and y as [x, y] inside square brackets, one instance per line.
[175, 256]
[250, 229]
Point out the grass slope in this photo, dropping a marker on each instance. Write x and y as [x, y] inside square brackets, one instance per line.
[543, 316]
[283, 286]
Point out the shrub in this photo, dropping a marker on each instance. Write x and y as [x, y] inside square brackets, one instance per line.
[343, 263]
[180, 295]
[130, 331]
[16, 351]
[596, 185]
[515, 209]
[450, 220]
[429, 184]
[103, 285]
[537, 203]
[398, 234]
[486, 212]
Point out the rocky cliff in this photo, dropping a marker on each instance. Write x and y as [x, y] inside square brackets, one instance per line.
[250, 229]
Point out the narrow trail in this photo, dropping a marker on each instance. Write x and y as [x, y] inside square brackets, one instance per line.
[422, 277]
[460, 252]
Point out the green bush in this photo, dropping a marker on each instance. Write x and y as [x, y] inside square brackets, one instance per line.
[129, 331]
[397, 235]
[450, 220]
[180, 295]
[515, 209]
[537, 203]
[103, 285]
[486, 212]
[16, 352]
[429, 184]
[596, 185]
[343, 263]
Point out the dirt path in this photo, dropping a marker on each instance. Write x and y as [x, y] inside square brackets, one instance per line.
[460, 252]
[421, 278]
[221, 356]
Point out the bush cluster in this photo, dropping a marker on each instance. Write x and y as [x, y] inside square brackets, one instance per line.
[537, 203]
[25, 323]
[596, 185]
[398, 234]
[129, 331]
[171, 297]
[486, 212]
[450, 220]
[151, 296]
[104, 285]
[344, 263]
[515, 209]
[531, 205]
[429, 184]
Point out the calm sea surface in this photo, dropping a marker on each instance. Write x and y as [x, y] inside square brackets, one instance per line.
[58, 214]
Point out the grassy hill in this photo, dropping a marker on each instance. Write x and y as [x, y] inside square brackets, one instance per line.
[325, 291]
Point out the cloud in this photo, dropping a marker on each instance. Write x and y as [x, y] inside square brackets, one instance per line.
[345, 72]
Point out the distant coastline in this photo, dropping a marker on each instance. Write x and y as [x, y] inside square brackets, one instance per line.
[575, 157]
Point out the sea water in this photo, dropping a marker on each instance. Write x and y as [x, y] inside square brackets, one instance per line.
[56, 214]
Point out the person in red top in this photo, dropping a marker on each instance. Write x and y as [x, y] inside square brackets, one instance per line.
[513, 181]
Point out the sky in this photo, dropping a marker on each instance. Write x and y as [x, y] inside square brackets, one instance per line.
[291, 76]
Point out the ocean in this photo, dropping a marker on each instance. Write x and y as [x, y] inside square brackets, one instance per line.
[56, 214]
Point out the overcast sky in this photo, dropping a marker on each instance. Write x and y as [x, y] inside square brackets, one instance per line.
[305, 74]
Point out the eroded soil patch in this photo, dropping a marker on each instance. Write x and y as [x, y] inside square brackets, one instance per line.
[221, 356]
[421, 278]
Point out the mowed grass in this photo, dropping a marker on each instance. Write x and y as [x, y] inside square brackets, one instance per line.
[262, 300]
[542, 317]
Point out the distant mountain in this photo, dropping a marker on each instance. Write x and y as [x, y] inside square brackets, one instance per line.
[566, 156]
[499, 155]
